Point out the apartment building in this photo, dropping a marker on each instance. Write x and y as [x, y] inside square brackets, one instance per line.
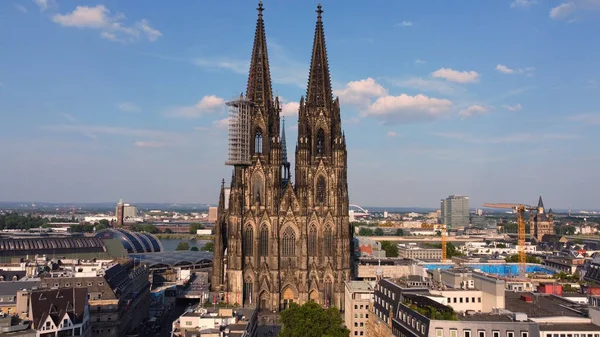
[358, 298]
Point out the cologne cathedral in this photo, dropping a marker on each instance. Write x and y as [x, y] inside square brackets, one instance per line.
[279, 241]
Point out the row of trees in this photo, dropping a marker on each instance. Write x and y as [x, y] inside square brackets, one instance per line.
[363, 231]
[15, 220]
[208, 247]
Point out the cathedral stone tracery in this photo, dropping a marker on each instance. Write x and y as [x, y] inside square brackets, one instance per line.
[276, 242]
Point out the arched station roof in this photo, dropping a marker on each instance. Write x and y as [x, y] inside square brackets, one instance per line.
[174, 259]
[133, 242]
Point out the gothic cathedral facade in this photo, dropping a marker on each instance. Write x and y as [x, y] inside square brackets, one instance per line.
[278, 242]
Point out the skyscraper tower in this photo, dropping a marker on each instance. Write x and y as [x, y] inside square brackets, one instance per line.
[277, 243]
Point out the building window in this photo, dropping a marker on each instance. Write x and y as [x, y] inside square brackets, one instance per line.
[320, 193]
[466, 333]
[248, 292]
[312, 241]
[495, 333]
[257, 189]
[481, 333]
[453, 333]
[264, 241]
[320, 141]
[248, 240]
[258, 141]
[510, 334]
[329, 291]
[328, 241]
[289, 243]
[524, 334]
[439, 332]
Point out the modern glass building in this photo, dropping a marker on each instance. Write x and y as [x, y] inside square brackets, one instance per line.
[455, 211]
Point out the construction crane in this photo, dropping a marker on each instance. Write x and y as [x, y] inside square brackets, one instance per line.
[520, 209]
[443, 243]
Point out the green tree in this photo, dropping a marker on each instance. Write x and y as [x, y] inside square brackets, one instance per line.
[365, 232]
[104, 222]
[515, 259]
[168, 231]
[311, 320]
[100, 226]
[183, 246]
[208, 247]
[501, 246]
[399, 232]
[195, 226]
[378, 232]
[194, 249]
[391, 249]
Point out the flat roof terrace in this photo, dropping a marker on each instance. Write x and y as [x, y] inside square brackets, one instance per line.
[543, 305]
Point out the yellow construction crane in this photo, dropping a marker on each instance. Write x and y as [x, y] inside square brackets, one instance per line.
[520, 209]
[444, 243]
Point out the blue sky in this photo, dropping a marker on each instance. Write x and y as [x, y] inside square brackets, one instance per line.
[497, 100]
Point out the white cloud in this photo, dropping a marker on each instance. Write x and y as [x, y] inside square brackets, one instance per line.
[587, 119]
[128, 107]
[92, 130]
[240, 67]
[43, 4]
[20, 8]
[207, 104]
[513, 107]
[404, 24]
[391, 134]
[221, 123]
[290, 109]
[152, 33]
[429, 85]
[506, 70]
[69, 117]
[418, 61]
[360, 92]
[112, 27]
[567, 9]
[406, 109]
[473, 110]
[513, 138]
[456, 76]
[149, 144]
[522, 3]
[284, 68]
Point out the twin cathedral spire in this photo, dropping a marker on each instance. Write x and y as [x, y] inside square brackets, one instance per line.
[278, 242]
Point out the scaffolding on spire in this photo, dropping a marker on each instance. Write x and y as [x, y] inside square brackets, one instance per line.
[239, 132]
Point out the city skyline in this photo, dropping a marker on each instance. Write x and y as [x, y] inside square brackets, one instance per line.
[106, 99]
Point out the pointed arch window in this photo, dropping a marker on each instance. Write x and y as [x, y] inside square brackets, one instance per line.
[257, 189]
[312, 241]
[289, 243]
[328, 291]
[320, 193]
[328, 241]
[248, 241]
[258, 141]
[264, 241]
[320, 142]
[248, 291]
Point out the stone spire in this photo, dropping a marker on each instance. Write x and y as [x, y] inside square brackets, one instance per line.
[259, 80]
[319, 92]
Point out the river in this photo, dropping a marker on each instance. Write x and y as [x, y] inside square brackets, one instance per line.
[170, 245]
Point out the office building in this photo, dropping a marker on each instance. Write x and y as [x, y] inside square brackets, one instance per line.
[455, 211]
